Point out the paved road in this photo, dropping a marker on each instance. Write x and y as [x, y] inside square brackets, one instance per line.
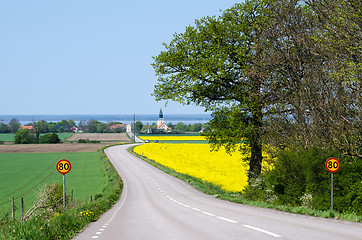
[155, 205]
[137, 139]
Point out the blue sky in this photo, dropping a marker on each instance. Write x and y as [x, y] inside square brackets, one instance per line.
[87, 56]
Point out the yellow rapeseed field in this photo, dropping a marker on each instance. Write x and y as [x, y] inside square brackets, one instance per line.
[197, 160]
[172, 138]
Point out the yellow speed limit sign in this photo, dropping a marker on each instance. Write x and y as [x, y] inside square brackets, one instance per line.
[333, 165]
[63, 166]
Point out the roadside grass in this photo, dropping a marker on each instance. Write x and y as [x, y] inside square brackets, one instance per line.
[67, 223]
[237, 197]
[23, 174]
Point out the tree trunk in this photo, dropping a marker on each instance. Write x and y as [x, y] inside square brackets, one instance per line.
[256, 143]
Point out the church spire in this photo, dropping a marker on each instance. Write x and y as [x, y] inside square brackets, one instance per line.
[160, 115]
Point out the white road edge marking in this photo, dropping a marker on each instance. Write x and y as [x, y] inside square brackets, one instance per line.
[263, 231]
[222, 218]
[209, 214]
[227, 219]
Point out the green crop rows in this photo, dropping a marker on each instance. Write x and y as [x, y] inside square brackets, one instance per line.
[22, 174]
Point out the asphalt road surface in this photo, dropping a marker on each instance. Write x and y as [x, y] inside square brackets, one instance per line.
[155, 205]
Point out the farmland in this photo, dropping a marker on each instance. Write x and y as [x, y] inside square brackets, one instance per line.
[9, 137]
[44, 148]
[219, 168]
[23, 173]
[102, 137]
[70, 145]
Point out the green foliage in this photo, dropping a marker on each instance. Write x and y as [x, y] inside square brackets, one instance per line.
[138, 126]
[4, 128]
[23, 136]
[211, 65]
[87, 141]
[49, 138]
[14, 125]
[300, 178]
[180, 127]
[93, 126]
[196, 127]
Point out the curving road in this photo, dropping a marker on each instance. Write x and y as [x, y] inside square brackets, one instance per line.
[155, 205]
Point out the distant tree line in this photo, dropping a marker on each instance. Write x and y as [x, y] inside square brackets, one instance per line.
[46, 132]
[11, 127]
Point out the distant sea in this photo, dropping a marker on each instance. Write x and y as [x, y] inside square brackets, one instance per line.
[123, 118]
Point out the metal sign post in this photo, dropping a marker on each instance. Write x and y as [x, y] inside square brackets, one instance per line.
[332, 165]
[332, 191]
[63, 167]
[64, 190]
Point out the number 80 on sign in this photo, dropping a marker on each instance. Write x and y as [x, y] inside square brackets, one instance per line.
[333, 165]
[63, 166]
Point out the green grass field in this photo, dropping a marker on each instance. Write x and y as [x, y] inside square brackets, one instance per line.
[64, 136]
[22, 174]
[9, 137]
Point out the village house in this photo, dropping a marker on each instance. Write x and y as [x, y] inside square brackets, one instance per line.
[27, 127]
[74, 129]
[118, 126]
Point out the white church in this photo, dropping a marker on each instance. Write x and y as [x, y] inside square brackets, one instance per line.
[161, 123]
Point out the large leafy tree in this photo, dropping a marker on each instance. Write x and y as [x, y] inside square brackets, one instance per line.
[14, 125]
[40, 127]
[211, 65]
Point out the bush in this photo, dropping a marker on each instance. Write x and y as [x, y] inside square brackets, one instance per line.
[23, 136]
[49, 202]
[87, 141]
[49, 138]
[300, 178]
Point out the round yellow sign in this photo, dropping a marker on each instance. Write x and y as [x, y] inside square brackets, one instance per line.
[63, 166]
[333, 165]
